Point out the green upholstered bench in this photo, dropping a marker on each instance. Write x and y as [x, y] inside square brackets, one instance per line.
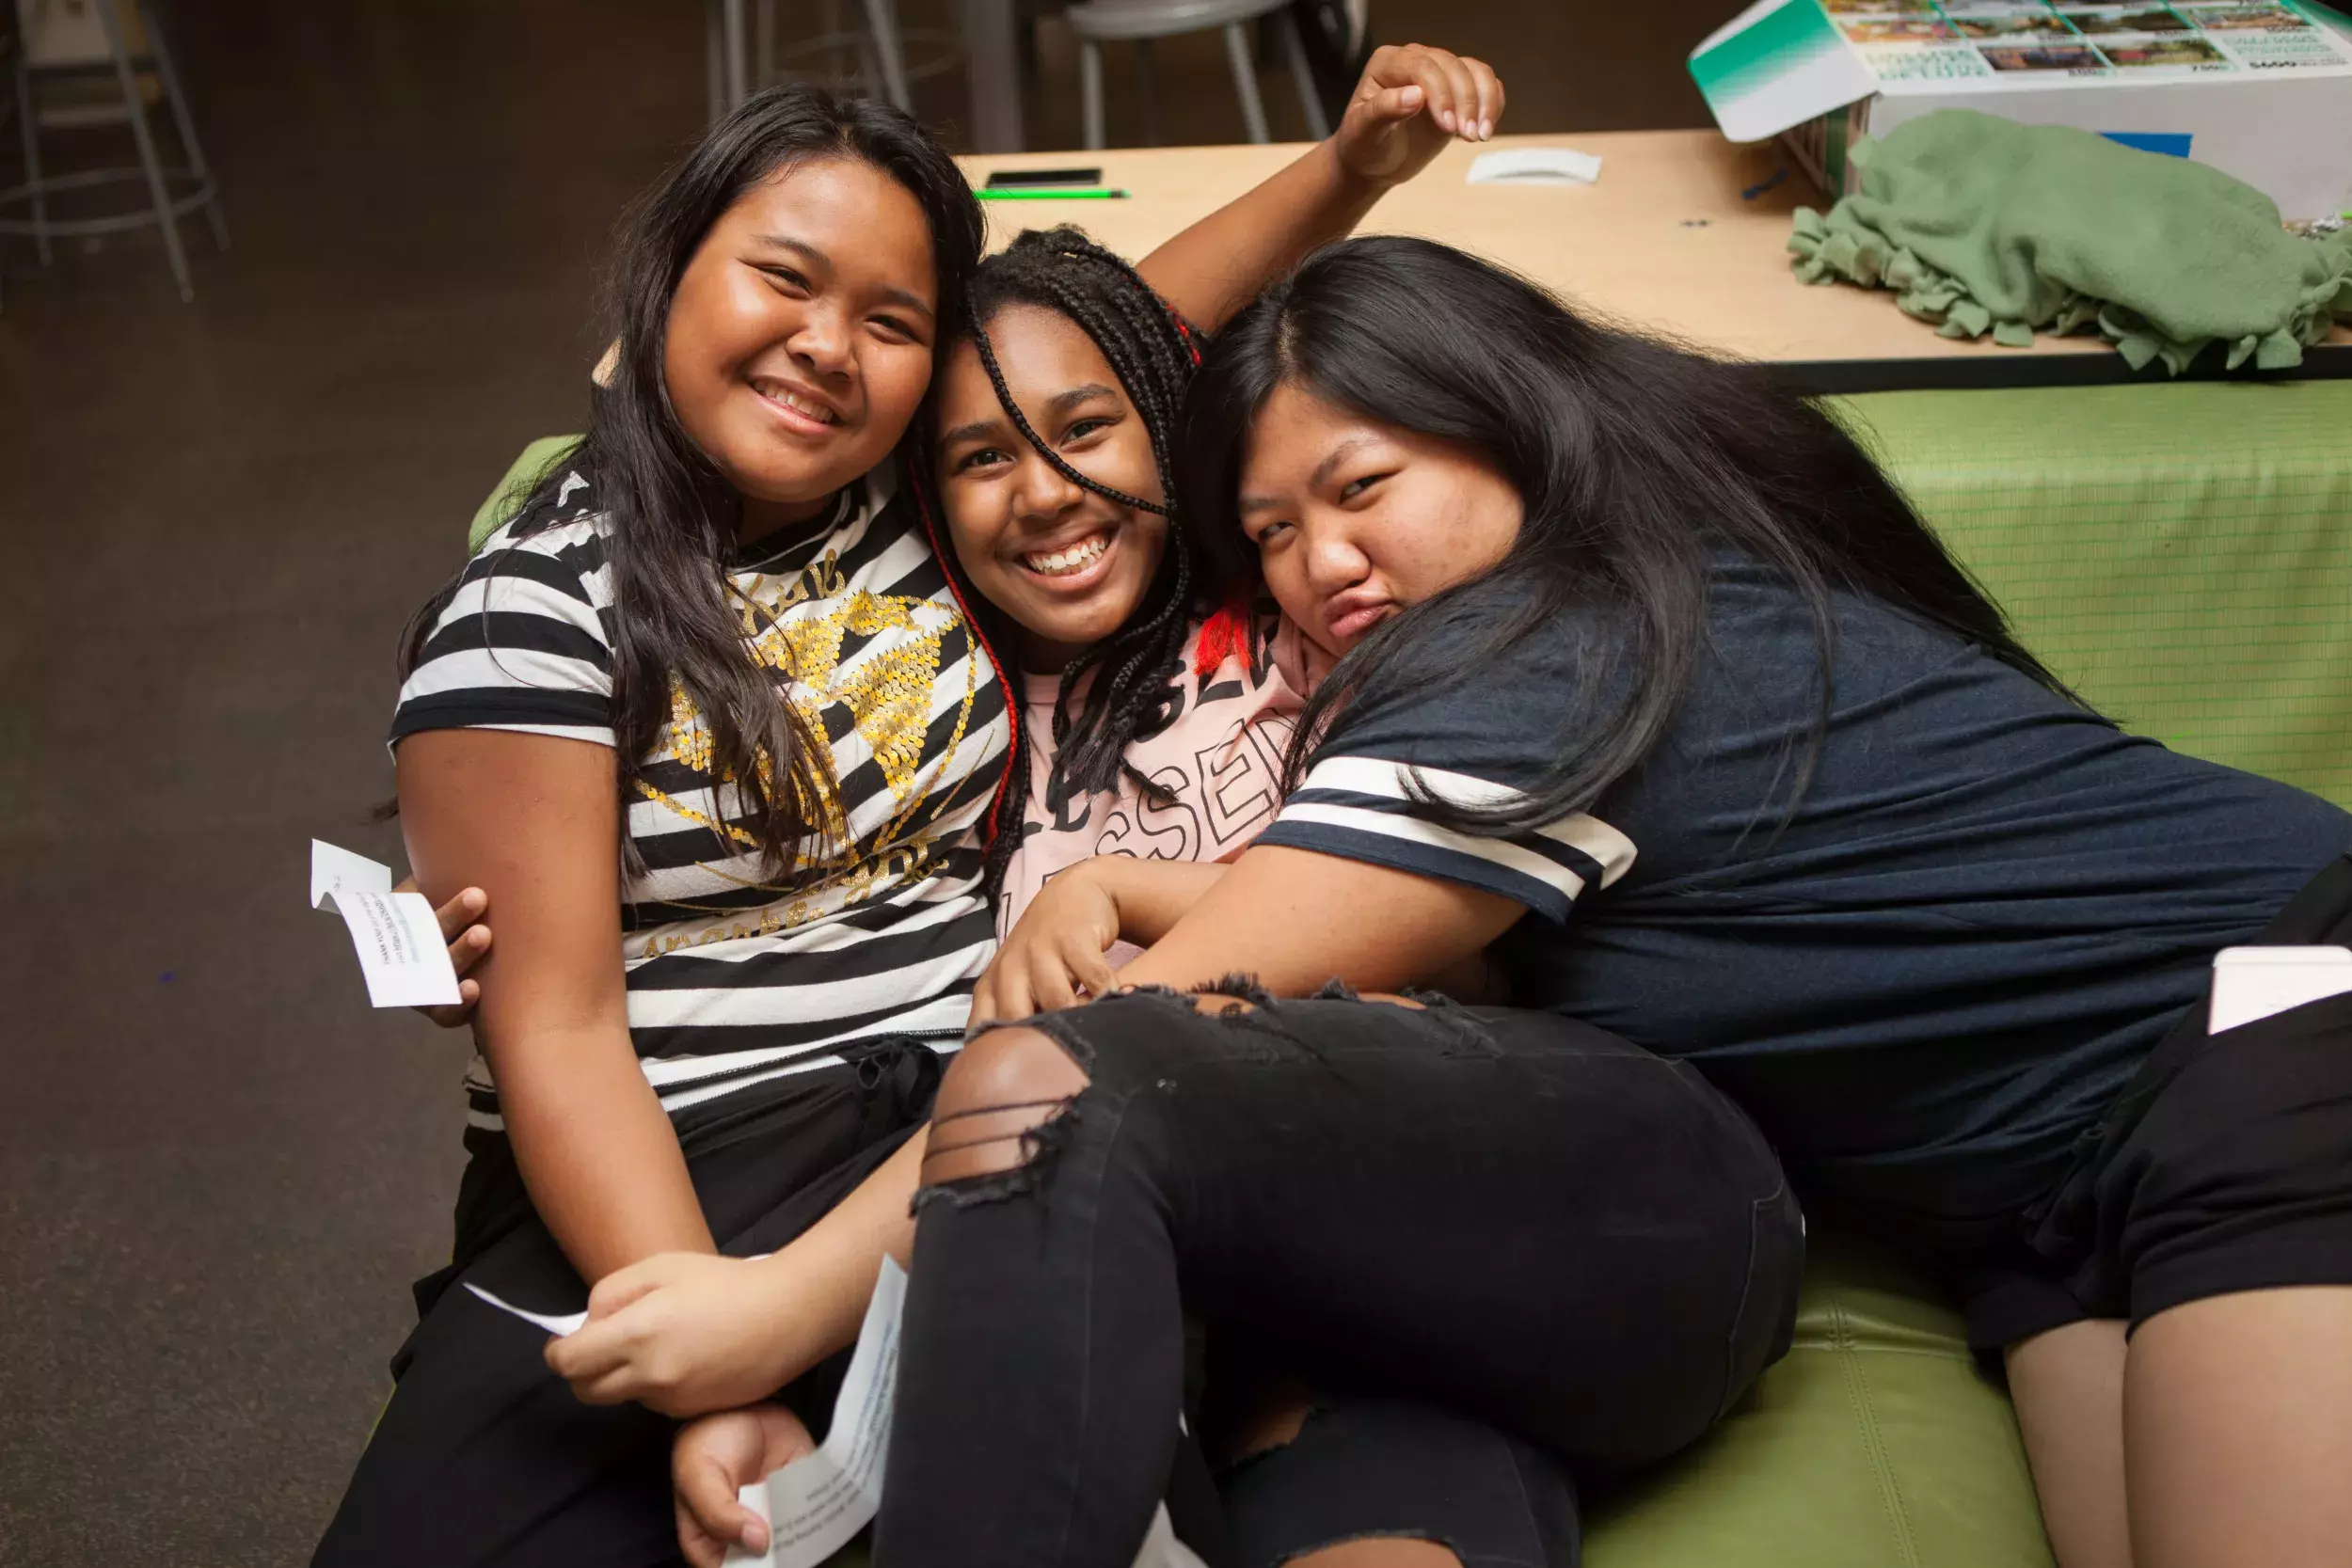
[2184, 556]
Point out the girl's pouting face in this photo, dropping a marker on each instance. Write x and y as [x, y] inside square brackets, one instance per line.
[1355, 521]
[799, 344]
[1067, 565]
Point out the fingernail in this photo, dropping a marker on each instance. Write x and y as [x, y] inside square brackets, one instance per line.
[1485, 129]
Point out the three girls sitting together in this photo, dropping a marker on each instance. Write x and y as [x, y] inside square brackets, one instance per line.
[1598, 678]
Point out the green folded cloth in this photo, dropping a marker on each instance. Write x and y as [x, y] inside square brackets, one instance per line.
[1981, 224]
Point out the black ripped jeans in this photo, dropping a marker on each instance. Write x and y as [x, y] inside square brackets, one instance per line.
[1512, 1214]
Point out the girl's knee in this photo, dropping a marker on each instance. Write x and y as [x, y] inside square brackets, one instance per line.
[1380, 1551]
[996, 1095]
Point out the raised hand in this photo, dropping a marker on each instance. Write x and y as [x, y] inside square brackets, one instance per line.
[1411, 101]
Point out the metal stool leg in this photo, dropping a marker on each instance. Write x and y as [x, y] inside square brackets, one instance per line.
[1286, 24]
[167, 73]
[1245, 81]
[27, 119]
[715, 60]
[1091, 92]
[738, 85]
[137, 113]
[882, 21]
[1148, 78]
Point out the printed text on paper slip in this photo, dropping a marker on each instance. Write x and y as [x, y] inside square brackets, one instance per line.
[399, 942]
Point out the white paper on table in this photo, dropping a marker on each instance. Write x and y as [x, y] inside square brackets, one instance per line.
[557, 1324]
[402, 955]
[1535, 165]
[2251, 984]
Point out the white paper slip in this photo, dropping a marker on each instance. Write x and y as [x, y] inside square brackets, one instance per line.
[815, 1504]
[2251, 984]
[1161, 1549]
[1535, 166]
[557, 1324]
[402, 955]
[333, 869]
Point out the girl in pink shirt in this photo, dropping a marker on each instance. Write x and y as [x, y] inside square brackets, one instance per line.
[1152, 726]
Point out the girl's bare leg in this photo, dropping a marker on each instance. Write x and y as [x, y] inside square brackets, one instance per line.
[2068, 1385]
[2238, 1428]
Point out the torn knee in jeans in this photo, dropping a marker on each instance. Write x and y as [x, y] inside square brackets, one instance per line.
[996, 1108]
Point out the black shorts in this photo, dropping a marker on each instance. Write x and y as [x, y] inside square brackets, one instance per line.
[2225, 1167]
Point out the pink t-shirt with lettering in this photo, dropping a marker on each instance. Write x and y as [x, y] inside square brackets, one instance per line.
[1222, 758]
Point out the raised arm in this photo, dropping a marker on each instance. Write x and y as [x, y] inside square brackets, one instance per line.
[533, 821]
[1411, 101]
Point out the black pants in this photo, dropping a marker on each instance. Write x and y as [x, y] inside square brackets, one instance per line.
[483, 1455]
[1516, 1216]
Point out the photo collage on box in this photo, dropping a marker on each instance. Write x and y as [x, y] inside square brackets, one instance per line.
[1944, 40]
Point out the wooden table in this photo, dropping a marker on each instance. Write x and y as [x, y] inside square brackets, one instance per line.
[1684, 234]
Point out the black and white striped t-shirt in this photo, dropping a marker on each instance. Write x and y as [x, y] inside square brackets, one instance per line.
[881, 926]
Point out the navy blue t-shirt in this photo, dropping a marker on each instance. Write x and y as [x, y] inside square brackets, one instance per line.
[1924, 982]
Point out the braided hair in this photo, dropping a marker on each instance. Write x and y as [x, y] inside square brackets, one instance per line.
[1132, 691]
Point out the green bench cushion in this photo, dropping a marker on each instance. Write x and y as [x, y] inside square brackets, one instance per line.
[1877, 1443]
[2181, 554]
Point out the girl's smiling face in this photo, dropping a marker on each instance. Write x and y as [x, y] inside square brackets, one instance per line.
[1067, 565]
[1355, 520]
[799, 343]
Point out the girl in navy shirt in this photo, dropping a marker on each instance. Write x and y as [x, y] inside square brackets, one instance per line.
[1651, 680]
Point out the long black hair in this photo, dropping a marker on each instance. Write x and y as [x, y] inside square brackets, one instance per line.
[671, 516]
[1152, 352]
[1633, 458]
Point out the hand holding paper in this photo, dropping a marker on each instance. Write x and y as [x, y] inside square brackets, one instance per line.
[799, 1514]
[706, 1464]
[397, 936]
[682, 1333]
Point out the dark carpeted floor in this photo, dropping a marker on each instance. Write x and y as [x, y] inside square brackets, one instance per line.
[218, 1169]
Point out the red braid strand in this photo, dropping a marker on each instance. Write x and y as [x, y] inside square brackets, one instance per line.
[1225, 634]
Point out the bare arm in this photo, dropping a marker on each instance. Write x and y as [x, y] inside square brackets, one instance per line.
[1411, 101]
[1151, 896]
[533, 822]
[1297, 919]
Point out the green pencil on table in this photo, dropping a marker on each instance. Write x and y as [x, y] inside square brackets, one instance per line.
[1047, 193]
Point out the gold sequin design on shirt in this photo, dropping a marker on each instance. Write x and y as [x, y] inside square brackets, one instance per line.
[889, 699]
